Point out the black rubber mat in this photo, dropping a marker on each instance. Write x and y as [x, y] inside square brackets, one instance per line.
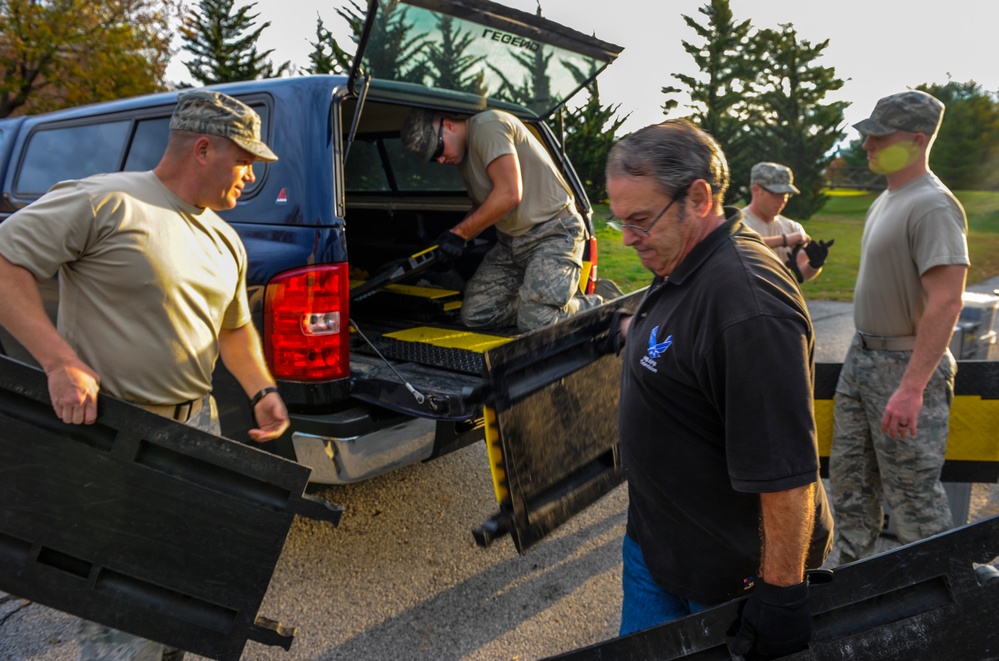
[458, 360]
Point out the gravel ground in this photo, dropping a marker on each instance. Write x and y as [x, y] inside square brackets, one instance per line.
[401, 577]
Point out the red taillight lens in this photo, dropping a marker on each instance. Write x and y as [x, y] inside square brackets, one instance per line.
[591, 258]
[306, 334]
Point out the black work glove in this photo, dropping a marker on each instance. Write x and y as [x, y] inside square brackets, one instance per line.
[451, 245]
[774, 622]
[792, 263]
[611, 340]
[817, 252]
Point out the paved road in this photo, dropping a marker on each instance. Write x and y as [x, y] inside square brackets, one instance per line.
[401, 578]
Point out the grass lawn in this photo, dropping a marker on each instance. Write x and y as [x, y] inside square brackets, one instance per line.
[842, 219]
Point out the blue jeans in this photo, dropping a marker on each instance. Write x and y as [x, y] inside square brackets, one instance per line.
[646, 604]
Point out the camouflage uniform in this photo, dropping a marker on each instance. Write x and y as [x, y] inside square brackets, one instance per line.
[102, 643]
[531, 280]
[867, 466]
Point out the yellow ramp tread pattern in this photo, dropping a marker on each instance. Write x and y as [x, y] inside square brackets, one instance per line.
[449, 338]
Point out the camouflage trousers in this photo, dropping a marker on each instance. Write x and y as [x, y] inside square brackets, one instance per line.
[530, 280]
[868, 467]
[102, 643]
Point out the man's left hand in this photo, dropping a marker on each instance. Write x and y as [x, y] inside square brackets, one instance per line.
[902, 414]
[272, 418]
[775, 621]
[792, 263]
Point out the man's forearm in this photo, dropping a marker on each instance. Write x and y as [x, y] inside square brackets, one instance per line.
[944, 287]
[243, 356]
[788, 520]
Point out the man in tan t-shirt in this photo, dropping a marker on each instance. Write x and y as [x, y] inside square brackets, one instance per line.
[771, 185]
[892, 407]
[152, 290]
[530, 278]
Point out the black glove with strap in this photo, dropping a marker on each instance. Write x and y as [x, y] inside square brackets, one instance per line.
[775, 621]
[817, 252]
[611, 341]
[792, 263]
[451, 245]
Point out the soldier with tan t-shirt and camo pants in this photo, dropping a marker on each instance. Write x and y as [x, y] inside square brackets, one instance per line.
[530, 278]
[152, 291]
[893, 398]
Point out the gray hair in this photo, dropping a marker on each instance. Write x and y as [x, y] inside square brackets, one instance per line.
[676, 153]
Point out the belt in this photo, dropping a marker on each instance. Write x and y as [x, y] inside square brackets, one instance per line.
[881, 343]
[180, 412]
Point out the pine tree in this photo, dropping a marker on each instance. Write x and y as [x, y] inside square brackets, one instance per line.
[590, 132]
[790, 122]
[452, 68]
[727, 64]
[327, 56]
[223, 41]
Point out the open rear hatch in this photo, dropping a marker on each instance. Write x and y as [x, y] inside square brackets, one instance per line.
[479, 47]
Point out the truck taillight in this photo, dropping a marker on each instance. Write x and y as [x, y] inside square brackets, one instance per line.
[591, 260]
[306, 334]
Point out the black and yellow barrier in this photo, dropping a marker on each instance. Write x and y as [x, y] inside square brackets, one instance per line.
[973, 443]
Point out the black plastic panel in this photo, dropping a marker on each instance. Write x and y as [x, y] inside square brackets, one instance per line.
[923, 601]
[142, 523]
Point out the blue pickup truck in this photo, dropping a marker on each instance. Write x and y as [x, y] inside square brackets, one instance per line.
[393, 379]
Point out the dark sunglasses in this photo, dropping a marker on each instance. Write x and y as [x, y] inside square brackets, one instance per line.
[440, 142]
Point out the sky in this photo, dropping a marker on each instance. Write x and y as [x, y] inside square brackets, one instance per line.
[878, 47]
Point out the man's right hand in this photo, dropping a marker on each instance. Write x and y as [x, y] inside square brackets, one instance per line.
[451, 245]
[73, 388]
[817, 252]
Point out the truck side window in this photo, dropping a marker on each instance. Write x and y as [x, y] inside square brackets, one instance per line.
[71, 152]
[148, 143]
[150, 140]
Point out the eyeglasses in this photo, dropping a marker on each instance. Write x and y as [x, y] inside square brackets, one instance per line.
[440, 142]
[648, 230]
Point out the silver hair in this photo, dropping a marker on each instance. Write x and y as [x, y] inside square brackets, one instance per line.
[676, 153]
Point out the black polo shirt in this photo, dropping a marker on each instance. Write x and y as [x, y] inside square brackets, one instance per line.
[716, 408]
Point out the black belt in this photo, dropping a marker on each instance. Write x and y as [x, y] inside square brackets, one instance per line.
[180, 412]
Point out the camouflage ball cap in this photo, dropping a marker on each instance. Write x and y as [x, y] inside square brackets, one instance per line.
[214, 113]
[419, 135]
[774, 177]
[913, 111]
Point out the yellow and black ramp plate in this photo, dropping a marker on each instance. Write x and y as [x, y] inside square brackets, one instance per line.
[931, 600]
[973, 441]
[455, 349]
[552, 425]
[142, 523]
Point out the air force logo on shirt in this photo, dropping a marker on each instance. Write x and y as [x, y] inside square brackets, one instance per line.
[656, 349]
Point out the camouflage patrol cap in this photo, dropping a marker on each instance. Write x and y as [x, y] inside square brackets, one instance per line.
[419, 134]
[214, 113]
[774, 177]
[912, 110]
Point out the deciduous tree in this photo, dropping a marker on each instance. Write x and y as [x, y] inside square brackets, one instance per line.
[61, 53]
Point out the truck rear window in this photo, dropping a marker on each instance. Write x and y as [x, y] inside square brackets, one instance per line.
[380, 164]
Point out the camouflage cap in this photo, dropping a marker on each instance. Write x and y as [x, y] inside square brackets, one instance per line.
[214, 113]
[913, 111]
[419, 134]
[774, 177]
